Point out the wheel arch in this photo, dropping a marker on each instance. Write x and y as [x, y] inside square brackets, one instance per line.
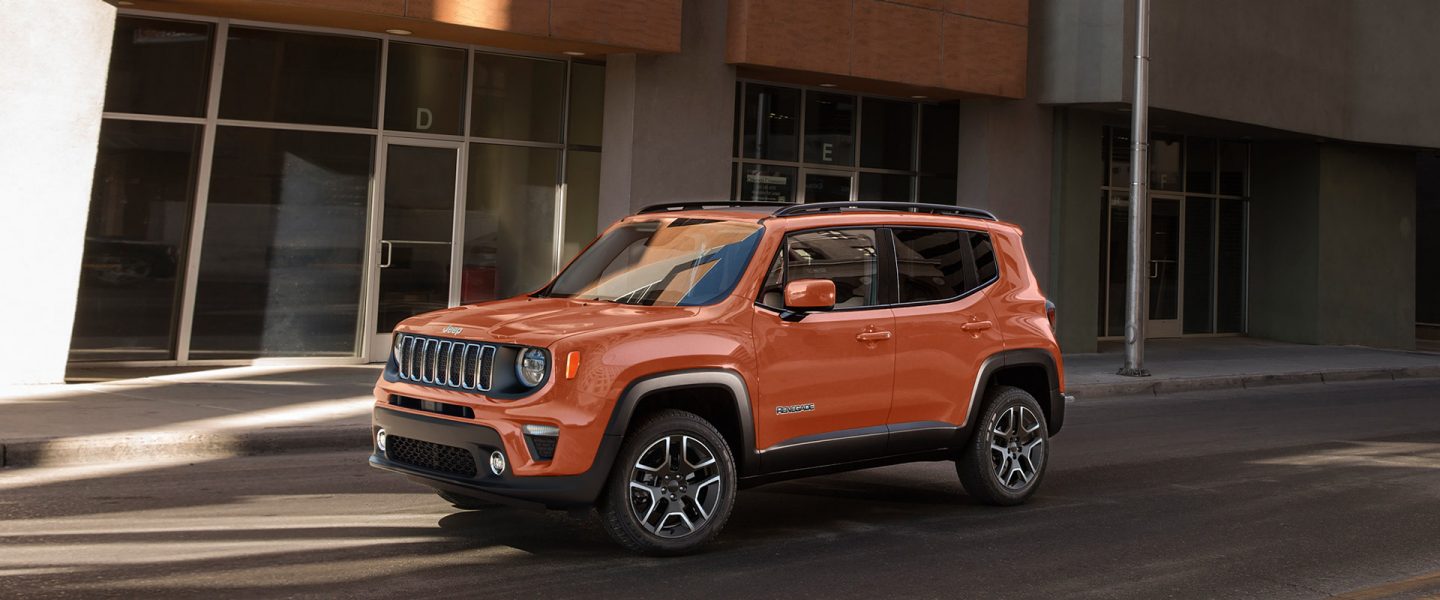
[1031, 369]
[720, 396]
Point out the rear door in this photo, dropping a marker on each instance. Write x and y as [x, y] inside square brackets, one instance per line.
[944, 330]
[825, 381]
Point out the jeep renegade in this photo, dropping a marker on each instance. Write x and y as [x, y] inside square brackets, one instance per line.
[697, 348]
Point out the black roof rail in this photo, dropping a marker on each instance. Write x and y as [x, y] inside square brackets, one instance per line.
[672, 206]
[938, 209]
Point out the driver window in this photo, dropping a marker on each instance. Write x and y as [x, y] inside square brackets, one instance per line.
[844, 256]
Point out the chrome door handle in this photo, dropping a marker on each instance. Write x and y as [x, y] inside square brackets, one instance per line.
[387, 251]
[871, 337]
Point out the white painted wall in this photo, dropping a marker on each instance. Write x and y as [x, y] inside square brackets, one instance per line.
[54, 56]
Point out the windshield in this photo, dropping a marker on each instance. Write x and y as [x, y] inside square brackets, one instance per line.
[668, 262]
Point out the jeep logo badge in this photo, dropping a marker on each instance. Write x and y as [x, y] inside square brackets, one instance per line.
[451, 329]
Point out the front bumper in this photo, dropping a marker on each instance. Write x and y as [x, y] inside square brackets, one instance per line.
[563, 491]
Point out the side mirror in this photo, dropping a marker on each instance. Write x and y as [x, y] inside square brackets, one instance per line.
[810, 295]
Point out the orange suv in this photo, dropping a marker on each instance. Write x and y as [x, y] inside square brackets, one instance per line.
[697, 348]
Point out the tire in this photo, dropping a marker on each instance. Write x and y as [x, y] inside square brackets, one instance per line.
[656, 504]
[1004, 462]
[464, 502]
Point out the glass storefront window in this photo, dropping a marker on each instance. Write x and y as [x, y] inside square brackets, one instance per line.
[885, 187]
[425, 89]
[1200, 165]
[517, 98]
[509, 221]
[582, 201]
[281, 263]
[1199, 264]
[295, 77]
[1230, 266]
[159, 67]
[1166, 157]
[1234, 165]
[829, 129]
[771, 124]
[887, 134]
[767, 183]
[135, 241]
[587, 104]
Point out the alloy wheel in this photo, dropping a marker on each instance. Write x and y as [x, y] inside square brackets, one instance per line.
[1016, 445]
[675, 486]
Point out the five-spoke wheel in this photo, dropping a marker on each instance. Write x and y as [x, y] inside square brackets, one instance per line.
[1005, 459]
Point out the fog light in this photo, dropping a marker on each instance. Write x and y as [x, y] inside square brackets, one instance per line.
[380, 440]
[497, 463]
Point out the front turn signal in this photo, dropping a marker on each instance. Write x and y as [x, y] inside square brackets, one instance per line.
[572, 364]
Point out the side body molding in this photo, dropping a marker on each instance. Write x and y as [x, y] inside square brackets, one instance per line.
[731, 381]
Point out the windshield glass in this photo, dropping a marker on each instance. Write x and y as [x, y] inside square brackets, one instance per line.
[668, 262]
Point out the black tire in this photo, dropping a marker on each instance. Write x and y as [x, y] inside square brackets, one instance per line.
[1003, 464]
[464, 502]
[678, 506]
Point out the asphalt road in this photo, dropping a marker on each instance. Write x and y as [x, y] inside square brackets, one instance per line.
[1293, 492]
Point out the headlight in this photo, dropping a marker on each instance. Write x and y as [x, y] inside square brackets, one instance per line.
[530, 366]
[397, 346]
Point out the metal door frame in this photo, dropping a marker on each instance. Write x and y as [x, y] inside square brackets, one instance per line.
[805, 172]
[1167, 328]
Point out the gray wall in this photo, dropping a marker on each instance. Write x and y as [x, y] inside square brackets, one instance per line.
[1355, 70]
[1075, 228]
[1332, 244]
[668, 120]
[52, 89]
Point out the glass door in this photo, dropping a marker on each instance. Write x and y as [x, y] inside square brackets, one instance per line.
[1164, 279]
[828, 186]
[414, 249]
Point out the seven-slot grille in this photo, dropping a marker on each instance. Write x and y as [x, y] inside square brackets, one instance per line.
[444, 363]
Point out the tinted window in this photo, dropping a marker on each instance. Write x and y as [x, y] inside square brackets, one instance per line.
[845, 256]
[159, 67]
[517, 98]
[984, 256]
[771, 124]
[829, 129]
[300, 78]
[887, 134]
[425, 89]
[931, 264]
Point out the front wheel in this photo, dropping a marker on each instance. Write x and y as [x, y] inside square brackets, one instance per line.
[1005, 459]
[672, 487]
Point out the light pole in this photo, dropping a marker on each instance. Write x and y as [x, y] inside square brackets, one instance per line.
[1139, 198]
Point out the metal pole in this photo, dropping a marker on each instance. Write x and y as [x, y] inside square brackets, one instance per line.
[1139, 199]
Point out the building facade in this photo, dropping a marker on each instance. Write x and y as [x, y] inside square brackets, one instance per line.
[284, 180]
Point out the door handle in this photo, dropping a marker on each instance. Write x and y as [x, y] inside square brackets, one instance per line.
[974, 326]
[871, 337]
[387, 251]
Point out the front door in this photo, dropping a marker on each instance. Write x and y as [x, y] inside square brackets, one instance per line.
[415, 247]
[825, 381]
[1164, 269]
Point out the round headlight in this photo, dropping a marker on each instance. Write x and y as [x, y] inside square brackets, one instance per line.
[530, 366]
[398, 346]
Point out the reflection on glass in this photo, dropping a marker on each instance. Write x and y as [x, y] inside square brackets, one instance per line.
[517, 98]
[300, 78]
[587, 104]
[887, 134]
[284, 243]
[829, 129]
[159, 67]
[1234, 164]
[767, 183]
[827, 188]
[509, 221]
[1199, 250]
[425, 89]
[419, 214]
[1200, 165]
[582, 201]
[885, 187]
[772, 123]
[135, 241]
[844, 256]
[931, 264]
[1166, 158]
[1230, 267]
[1119, 157]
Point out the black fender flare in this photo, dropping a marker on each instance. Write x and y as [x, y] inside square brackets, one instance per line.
[1054, 401]
[727, 379]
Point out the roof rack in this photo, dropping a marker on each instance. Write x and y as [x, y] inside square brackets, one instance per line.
[791, 210]
[674, 206]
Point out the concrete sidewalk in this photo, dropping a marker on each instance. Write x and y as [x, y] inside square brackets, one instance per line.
[217, 413]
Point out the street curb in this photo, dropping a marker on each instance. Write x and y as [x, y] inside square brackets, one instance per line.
[1140, 387]
[181, 446]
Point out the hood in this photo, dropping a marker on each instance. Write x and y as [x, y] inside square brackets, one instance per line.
[537, 321]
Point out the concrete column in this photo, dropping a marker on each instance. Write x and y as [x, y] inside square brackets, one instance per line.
[54, 58]
[669, 120]
[1074, 233]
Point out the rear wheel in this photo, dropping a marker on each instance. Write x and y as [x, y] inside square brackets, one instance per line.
[672, 487]
[1005, 459]
[464, 502]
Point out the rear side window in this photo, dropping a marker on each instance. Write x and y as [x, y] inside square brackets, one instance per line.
[936, 264]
